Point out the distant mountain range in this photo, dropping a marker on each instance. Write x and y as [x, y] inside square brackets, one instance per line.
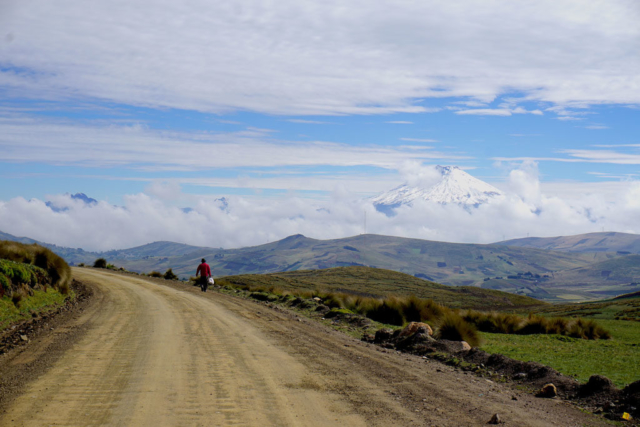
[453, 186]
[572, 268]
[621, 243]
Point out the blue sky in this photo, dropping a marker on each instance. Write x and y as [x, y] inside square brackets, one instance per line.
[315, 101]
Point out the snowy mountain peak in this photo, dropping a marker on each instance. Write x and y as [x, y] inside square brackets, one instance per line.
[453, 186]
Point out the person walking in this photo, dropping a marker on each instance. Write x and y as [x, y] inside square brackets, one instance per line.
[204, 272]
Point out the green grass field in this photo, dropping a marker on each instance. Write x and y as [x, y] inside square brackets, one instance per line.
[40, 302]
[617, 359]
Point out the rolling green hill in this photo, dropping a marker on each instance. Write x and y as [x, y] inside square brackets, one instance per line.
[377, 282]
[561, 275]
[620, 243]
[448, 263]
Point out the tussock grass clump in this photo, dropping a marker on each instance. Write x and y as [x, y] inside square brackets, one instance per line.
[57, 270]
[100, 263]
[454, 324]
[453, 327]
[588, 329]
[386, 311]
[504, 323]
[534, 325]
[170, 275]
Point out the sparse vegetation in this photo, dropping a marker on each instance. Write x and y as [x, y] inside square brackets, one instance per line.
[57, 270]
[40, 301]
[32, 279]
[454, 324]
[155, 274]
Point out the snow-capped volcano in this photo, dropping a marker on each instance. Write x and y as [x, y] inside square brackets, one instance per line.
[454, 186]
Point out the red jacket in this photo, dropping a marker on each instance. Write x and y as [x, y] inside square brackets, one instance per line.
[203, 270]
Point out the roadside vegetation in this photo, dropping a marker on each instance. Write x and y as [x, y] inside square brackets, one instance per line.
[32, 280]
[378, 283]
[453, 324]
[578, 340]
[617, 358]
[56, 268]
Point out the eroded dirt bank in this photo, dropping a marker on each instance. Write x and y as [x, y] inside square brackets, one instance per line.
[157, 353]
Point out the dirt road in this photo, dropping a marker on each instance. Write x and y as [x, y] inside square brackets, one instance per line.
[166, 354]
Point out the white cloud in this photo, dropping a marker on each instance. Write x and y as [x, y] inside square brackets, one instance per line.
[26, 139]
[330, 57]
[418, 140]
[530, 208]
[163, 189]
[597, 127]
[498, 111]
[308, 122]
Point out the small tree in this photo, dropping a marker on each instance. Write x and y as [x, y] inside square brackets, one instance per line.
[100, 263]
[169, 275]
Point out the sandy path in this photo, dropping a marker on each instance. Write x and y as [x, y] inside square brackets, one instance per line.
[158, 353]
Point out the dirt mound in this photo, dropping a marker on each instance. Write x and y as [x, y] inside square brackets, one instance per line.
[599, 393]
[532, 373]
[631, 396]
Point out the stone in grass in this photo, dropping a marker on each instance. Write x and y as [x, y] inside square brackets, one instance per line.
[415, 327]
[495, 419]
[549, 391]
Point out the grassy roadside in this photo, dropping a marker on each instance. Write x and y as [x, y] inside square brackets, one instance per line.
[40, 302]
[33, 280]
[617, 359]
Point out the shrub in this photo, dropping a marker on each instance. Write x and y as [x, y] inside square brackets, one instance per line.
[55, 267]
[454, 328]
[412, 309]
[169, 275]
[534, 325]
[155, 274]
[100, 263]
[81, 264]
[558, 325]
[387, 311]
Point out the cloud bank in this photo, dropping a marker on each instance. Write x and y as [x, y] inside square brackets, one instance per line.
[151, 217]
[320, 57]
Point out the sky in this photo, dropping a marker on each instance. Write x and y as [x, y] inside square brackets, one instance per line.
[297, 112]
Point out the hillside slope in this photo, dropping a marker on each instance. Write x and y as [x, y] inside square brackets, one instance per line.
[376, 282]
[590, 242]
[448, 263]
